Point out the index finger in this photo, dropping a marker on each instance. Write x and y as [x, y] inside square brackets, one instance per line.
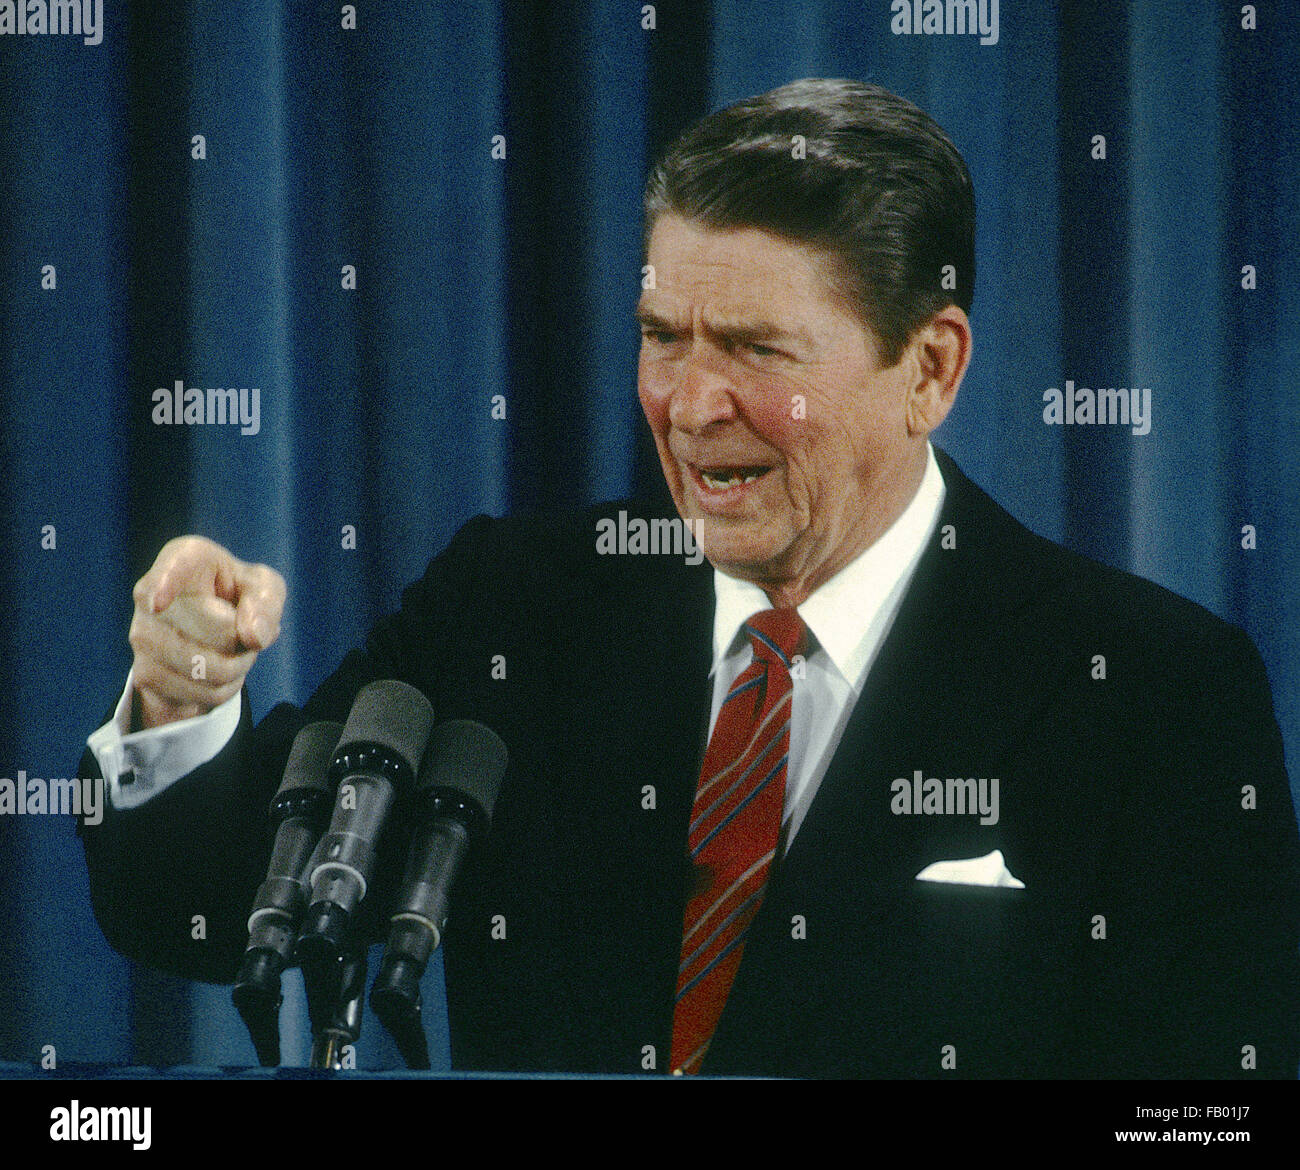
[188, 564]
[261, 604]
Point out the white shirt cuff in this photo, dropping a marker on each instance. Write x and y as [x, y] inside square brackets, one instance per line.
[137, 765]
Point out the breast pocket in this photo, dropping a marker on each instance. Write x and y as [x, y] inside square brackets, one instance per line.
[990, 971]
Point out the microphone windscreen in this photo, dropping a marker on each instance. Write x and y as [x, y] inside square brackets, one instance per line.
[468, 757]
[391, 715]
[310, 758]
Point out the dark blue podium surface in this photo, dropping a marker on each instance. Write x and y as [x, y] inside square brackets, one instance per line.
[86, 1071]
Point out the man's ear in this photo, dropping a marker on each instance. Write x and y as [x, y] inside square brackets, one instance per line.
[941, 351]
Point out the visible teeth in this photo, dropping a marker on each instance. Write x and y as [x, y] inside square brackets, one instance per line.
[728, 478]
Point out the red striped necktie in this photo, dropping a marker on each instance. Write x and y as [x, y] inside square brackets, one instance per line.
[735, 823]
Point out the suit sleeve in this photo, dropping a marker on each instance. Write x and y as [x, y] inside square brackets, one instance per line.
[201, 846]
[1200, 978]
[1252, 901]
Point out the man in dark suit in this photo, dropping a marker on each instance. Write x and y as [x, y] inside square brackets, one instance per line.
[891, 787]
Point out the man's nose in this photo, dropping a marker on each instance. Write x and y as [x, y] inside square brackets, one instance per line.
[703, 393]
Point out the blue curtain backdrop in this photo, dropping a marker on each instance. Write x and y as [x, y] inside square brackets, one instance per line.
[479, 276]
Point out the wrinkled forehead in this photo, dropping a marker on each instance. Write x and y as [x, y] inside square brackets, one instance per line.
[733, 274]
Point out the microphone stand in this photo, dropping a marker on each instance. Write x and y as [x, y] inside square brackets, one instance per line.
[397, 1001]
[336, 990]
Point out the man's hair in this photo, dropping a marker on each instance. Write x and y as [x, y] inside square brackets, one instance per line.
[882, 192]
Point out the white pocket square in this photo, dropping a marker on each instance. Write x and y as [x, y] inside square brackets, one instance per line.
[990, 870]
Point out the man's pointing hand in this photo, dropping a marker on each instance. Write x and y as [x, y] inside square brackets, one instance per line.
[201, 618]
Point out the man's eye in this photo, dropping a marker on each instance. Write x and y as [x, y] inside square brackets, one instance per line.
[762, 350]
[658, 336]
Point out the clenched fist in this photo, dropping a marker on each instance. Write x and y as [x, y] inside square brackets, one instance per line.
[201, 618]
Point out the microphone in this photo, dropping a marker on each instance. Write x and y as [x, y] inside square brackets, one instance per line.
[299, 812]
[454, 799]
[378, 756]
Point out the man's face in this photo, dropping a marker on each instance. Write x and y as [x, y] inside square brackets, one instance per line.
[777, 429]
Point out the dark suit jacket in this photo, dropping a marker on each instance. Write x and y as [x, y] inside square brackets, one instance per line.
[1156, 934]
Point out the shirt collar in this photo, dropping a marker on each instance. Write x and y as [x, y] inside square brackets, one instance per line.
[841, 612]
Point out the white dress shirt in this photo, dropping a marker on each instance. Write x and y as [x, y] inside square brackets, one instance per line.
[139, 764]
[848, 618]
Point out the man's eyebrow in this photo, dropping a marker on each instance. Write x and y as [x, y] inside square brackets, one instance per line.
[650, 318]
[756, 330]
[749, 330]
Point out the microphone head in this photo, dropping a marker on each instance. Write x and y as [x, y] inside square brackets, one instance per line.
[310, 758]
[467, 758]
[392, 716]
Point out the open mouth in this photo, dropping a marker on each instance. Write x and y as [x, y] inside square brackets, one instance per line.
[724, 478]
